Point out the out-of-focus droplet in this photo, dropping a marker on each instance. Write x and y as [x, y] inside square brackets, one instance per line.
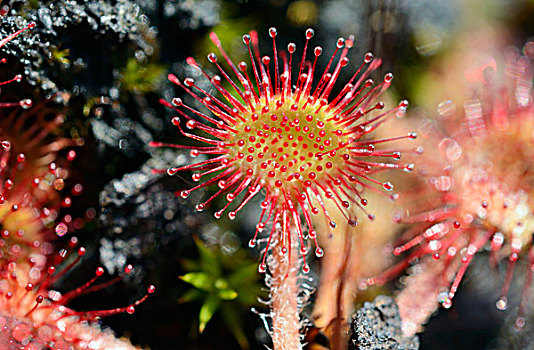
[451, 148]
[61, 229]
[59, 184]
[502, 303]
[446, 109]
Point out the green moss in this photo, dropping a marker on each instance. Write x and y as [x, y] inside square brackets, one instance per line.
[141, 78]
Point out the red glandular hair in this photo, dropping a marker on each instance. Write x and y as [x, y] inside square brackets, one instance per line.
[480, 186]
[31, 175]
[31, 178]
[278, 131]
[34, 316]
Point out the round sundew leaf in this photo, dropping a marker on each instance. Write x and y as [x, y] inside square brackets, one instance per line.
[288, 137]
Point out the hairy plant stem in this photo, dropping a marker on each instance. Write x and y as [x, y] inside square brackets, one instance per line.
[419, 298]
[284, 290]
[339, 339]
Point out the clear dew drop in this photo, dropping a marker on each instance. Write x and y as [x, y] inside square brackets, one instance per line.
[262, 268]
[191, 124]
[306, 268]
[252, 243]
[408, 168]
[189, 82]
[212, 57]
[368, 57]
[26, 103]
[387, 186]
[291, 47]
[319, 252]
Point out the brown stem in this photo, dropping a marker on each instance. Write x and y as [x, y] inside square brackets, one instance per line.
[419, 298]
[339, 340]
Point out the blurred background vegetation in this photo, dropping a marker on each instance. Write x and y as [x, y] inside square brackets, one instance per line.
[104, 63]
